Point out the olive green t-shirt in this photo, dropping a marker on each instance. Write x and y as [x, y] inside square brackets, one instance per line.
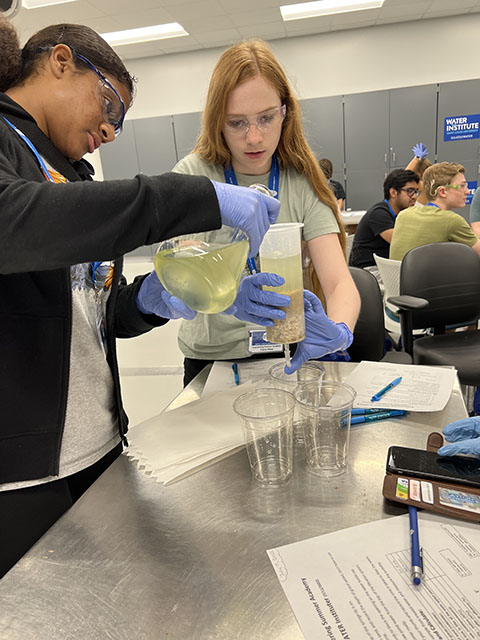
[417, 226]
[224, 337]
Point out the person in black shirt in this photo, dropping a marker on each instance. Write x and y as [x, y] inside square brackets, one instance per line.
[336, 187]
[375, 230]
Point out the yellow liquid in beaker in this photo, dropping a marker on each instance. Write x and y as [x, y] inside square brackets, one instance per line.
[206, 277]
[292, 328]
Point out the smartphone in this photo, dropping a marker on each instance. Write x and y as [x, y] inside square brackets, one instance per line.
[428, 464]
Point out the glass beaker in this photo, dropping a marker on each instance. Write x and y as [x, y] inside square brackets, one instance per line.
[203, 269]
[281, 253]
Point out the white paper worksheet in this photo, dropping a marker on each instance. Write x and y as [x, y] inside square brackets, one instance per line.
[221, 376]
[355, 584]
[422, 388]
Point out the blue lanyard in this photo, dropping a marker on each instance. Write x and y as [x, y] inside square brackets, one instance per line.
[273, 179]
[32, 148]
[391, 210]
[273, 182]
[432, 204]
[48, 176]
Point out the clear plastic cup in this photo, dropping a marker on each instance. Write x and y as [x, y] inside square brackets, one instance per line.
[203, 269]
[308, 372]
[267, 417]
[281, 253]
[326, 409]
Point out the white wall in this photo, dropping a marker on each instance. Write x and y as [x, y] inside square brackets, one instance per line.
[382, 57]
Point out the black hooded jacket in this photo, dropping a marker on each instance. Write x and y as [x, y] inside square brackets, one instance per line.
[44, 229]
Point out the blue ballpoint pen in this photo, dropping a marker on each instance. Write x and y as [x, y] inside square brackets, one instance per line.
[381, 415]
[364, 412]
[383, 391]
[417, 561]
[235, 373]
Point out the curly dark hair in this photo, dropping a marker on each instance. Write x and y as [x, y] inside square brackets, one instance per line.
[10, 55]
[16, 64]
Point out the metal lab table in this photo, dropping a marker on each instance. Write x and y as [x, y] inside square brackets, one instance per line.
[134, 560]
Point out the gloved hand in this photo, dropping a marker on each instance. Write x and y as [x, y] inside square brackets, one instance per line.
[247, 209]
[322, 334]
[154, 298]
[420, 150]
[464, 435]
[252, 304]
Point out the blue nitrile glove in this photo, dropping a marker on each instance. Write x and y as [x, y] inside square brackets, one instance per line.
[464, 436]
[322, 335]
[420, 150]
[247, 209]
[153, 298]
[252, 304]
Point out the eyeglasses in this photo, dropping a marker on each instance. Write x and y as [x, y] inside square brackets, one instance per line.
[411, 192]
[462, 185]
[240, 125]
[112, 104]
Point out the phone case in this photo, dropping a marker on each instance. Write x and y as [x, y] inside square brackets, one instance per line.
[456, 500]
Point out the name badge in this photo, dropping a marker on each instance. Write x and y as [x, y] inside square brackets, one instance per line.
[257, 342]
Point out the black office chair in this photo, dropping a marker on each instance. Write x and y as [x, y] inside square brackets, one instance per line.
[369, 335]
[440, 286]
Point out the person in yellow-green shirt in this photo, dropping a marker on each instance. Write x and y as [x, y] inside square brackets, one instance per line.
[446, 188]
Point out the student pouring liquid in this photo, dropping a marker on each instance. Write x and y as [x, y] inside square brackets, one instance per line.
[252, 133]
[63, 302]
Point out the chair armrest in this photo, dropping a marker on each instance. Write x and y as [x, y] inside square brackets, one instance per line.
[408, 303]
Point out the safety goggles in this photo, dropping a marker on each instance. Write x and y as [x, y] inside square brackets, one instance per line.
[112, 104]
[240, 125]
[463, 186]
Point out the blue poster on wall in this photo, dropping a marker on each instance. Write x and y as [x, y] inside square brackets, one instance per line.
[472, 187]
[461, 127]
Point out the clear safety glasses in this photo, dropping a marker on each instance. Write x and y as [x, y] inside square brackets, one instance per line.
[112, 104]
[240, 125]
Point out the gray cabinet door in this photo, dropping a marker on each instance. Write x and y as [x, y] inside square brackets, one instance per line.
[323, 124]
[186, 128]
[459, 99]
[119, 158]
[412, 120]
[155, 144]
[366, 147]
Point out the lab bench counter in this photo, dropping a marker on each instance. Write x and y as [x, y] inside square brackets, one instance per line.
[135, 560]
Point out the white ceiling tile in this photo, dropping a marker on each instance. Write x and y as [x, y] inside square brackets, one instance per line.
[355, 17]
[448, 5]
[398, 19]
[272, 30]
[401, 10]
[219, 22]
[308, 26]
[261, 16]
[137, 19]
[211, 38]
[442, 14]
[200, 11]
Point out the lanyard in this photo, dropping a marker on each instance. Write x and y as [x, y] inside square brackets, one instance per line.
[432, 204]
[30, 145]
[48, 176]
[273, 179]
[391, 210]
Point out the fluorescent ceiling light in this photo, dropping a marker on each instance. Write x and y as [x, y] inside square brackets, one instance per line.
[326, 8]
[36, 4]
[145, 34]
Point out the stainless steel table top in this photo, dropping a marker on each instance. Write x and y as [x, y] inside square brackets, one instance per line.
[134, 560]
